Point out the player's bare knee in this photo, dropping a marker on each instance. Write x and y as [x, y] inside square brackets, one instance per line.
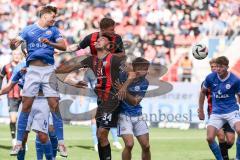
[146, 147]
[210, 139]
[42, 137]
[129, 145]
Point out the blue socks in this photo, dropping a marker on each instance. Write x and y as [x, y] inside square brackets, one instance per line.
[238, 148]
[58, 124]
[216, 150]
[21, 154]
[54, 141]
[94, 133]
[22, 124]
[39, 148]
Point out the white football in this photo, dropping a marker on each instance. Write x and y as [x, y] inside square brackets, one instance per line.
[199, 51]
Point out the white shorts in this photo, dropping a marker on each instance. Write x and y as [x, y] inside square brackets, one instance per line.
[131, 125]
[38, 119]
[218, 120]
[44, 76]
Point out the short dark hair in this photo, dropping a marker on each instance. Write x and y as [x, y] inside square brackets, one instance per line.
[106, 22]
[139, 61]
[222, 60]
[47, 9]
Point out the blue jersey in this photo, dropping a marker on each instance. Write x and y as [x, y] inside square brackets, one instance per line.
[223, 92]
[136, 88]
[37, 50]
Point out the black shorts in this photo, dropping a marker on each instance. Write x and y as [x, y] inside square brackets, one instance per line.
[107, 113]
[227, 128]
[108, 120]
[14, 104]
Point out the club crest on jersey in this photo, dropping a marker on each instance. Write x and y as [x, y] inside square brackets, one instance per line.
[137, 88]
[228, 86]
[104, 63]
[48, 32]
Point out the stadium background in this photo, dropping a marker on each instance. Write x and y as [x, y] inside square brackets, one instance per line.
[161, 31]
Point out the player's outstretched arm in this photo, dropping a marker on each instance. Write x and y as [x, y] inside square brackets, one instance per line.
[60, 45]
[7, 88]
[201, 103]
[14, 43]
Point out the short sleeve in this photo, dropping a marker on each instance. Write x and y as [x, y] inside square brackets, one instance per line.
[23, 33]
[57, 35]
[85, 42]
[207, 82]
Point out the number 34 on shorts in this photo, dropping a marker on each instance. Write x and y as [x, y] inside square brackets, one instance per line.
[107, 117]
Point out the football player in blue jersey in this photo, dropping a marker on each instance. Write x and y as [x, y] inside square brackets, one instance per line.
[41, 39]
[130, 120]
[224, 86]
[225, 135]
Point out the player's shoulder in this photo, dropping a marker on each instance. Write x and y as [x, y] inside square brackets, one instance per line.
[234, 77]
[212, 75]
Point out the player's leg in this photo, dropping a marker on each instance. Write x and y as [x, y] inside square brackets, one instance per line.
[94, 134]
[144, 142]
[22, 124]
[104, 148]
[125, 130]
[52, 136]
[30, 90]
[21, 153]
[140, 130]
[116, 142]
[46, 145]
[222, 143]
[129, 143]
[234, 121]
[215, 123]
[50, 90]
[13, 109]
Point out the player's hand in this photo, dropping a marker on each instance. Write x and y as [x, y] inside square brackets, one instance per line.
[118, 85]
[45, 40]
[73, 47]
[13, 43]
[122, 93]
[201, 115]
[132, 75]
[81, 84]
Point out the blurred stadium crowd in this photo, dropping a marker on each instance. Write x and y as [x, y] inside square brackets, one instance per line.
[159, 29]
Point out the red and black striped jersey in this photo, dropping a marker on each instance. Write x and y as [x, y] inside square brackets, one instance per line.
[7, 71]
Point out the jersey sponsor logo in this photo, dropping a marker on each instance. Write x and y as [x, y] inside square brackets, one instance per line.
[104, 63]
[214, 85]
[228, 86]
[219, 95]
[37, 45]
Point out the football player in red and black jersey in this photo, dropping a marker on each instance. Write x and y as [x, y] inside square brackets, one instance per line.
[14, 97]
[106, 67]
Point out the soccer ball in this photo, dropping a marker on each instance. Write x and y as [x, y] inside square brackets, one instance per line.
[199, 51]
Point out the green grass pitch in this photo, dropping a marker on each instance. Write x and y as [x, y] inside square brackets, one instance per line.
[166, 144]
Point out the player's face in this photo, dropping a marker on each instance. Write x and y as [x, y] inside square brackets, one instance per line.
[109, 30]
[50, 18]
[213, 67]
[16, 56]
[141, 71]
[222, 69]
[101, 43]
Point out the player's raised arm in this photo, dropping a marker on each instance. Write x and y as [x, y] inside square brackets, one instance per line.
[73, 64]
